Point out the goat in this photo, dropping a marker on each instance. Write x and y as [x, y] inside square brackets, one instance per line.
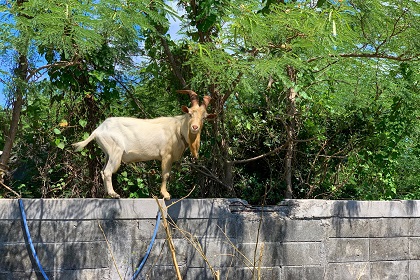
[134, 140]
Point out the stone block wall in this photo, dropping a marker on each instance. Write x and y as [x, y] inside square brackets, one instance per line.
[298, 239]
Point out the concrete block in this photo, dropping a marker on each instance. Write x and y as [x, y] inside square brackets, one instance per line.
[200, 208]
[84, 274]
[187, 273]
[273, 228]
[347, 271]
[128, 254]
[302, 272]
[189, 253]
[92, 208]
[186, 255]
[30, 275]
[89, 209]
[267, 254]
[396, 270]
[17, 257]
[160, 254]
[168, 272]
[389, 227]
[197, 273]
[349, 227]
[309, 208]
[414, 269]
[121, 230]
[414, 248]
[11, 231]
[218, 253]
[250, 226]
[312, 208]
[348, 249]
[78, 231]
[389, 249]
[9, 209]
[266, 273]
[278, 254]
[213, 228]
[301, 253]
[414, 227]
[42, 231]
[376, 209]
[193, 273]
[81, 255]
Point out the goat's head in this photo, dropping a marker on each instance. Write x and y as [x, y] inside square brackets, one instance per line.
[197, 114]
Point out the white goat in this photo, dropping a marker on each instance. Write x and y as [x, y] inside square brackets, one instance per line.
[134, 140]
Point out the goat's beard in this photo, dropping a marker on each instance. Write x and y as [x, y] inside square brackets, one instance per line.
[194, 143]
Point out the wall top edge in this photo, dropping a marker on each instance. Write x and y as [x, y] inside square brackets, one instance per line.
[97, 208]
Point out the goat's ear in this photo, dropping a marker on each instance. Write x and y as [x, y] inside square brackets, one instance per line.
[211, 116]
[185, 109]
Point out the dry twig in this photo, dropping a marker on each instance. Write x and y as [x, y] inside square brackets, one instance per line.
[110, 250]
[169, 238]
[10, 189]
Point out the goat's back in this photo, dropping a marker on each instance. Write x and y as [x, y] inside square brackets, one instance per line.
[141, 139]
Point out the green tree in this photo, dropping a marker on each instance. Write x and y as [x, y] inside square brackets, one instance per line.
[304, 103]
[328, 74]
[79, 45]
[315, 99]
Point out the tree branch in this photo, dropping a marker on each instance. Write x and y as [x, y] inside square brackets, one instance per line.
[175, 69]
[369, 55]
[10, 189]
[380, 55]
[233, 86]
[47, 66]
[258, 157]
[207, 173]
[131, 95]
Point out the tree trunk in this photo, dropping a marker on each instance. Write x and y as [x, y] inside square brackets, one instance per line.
[20, 72]
[291, 133]
[94, 165]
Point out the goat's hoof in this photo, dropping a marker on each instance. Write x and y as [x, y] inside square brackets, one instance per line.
[166, 196]
[114, 195]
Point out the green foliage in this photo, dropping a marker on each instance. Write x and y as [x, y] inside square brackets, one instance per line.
[354, 67]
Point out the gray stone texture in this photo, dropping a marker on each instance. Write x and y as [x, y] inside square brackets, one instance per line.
[297, 239]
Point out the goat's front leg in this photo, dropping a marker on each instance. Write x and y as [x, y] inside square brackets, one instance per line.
[166, 171]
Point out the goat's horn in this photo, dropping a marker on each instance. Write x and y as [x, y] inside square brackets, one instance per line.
[192, 94]
[206, 101]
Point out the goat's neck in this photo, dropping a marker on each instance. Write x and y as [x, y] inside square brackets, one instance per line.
[194, 144]
[191, 140]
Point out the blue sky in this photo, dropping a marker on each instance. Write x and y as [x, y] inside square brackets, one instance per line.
[2, 97]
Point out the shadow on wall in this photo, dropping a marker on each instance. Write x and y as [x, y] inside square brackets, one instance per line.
[260, 234]
[203, 231]
[353, 217]
[344, 214]
[411, 207]
[56, 232]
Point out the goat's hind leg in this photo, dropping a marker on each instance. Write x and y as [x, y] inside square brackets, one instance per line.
[112, 165]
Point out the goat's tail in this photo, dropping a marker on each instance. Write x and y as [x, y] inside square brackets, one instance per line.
[80, 145]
